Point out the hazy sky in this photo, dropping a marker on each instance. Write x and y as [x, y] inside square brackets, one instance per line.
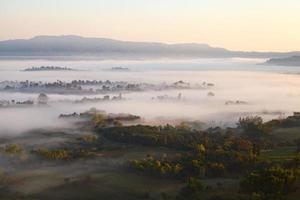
[234, 24]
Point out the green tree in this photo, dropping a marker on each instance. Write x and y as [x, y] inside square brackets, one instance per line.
[255, 130]
[269, 184]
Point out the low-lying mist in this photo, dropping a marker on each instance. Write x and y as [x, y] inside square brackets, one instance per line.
[263, 93]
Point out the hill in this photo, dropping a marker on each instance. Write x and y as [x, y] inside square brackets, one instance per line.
[76, 47]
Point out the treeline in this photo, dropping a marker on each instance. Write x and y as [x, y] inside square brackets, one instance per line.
[167, 136]
[289, 122]
[265, 184]
[84, 147]
[200, 162]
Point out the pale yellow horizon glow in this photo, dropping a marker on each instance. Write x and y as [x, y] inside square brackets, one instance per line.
[257, 25]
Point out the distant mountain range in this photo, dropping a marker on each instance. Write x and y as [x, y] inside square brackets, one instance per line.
[76, 47]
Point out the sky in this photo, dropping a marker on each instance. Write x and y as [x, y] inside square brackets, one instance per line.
[251, 25]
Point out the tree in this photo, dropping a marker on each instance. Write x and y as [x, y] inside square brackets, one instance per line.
[43, 98]
[269, 184]
[192, 191]
[215, 169]
[254, 129]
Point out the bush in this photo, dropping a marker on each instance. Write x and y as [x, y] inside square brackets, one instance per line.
[192, 191]
[269, 184]
[13, 149]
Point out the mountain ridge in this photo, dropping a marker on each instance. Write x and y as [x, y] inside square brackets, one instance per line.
[105, 48]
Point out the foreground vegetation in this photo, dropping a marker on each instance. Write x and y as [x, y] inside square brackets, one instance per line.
[253, 161]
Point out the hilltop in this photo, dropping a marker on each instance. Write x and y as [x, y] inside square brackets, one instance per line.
[76, 47]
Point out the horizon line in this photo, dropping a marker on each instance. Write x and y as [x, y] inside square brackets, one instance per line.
[150, 42]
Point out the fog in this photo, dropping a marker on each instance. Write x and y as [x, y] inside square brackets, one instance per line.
[270, 92]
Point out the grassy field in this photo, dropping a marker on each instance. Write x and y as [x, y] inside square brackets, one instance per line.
[287, 134]
[279, 154]
[100, 184]
[113, 185]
